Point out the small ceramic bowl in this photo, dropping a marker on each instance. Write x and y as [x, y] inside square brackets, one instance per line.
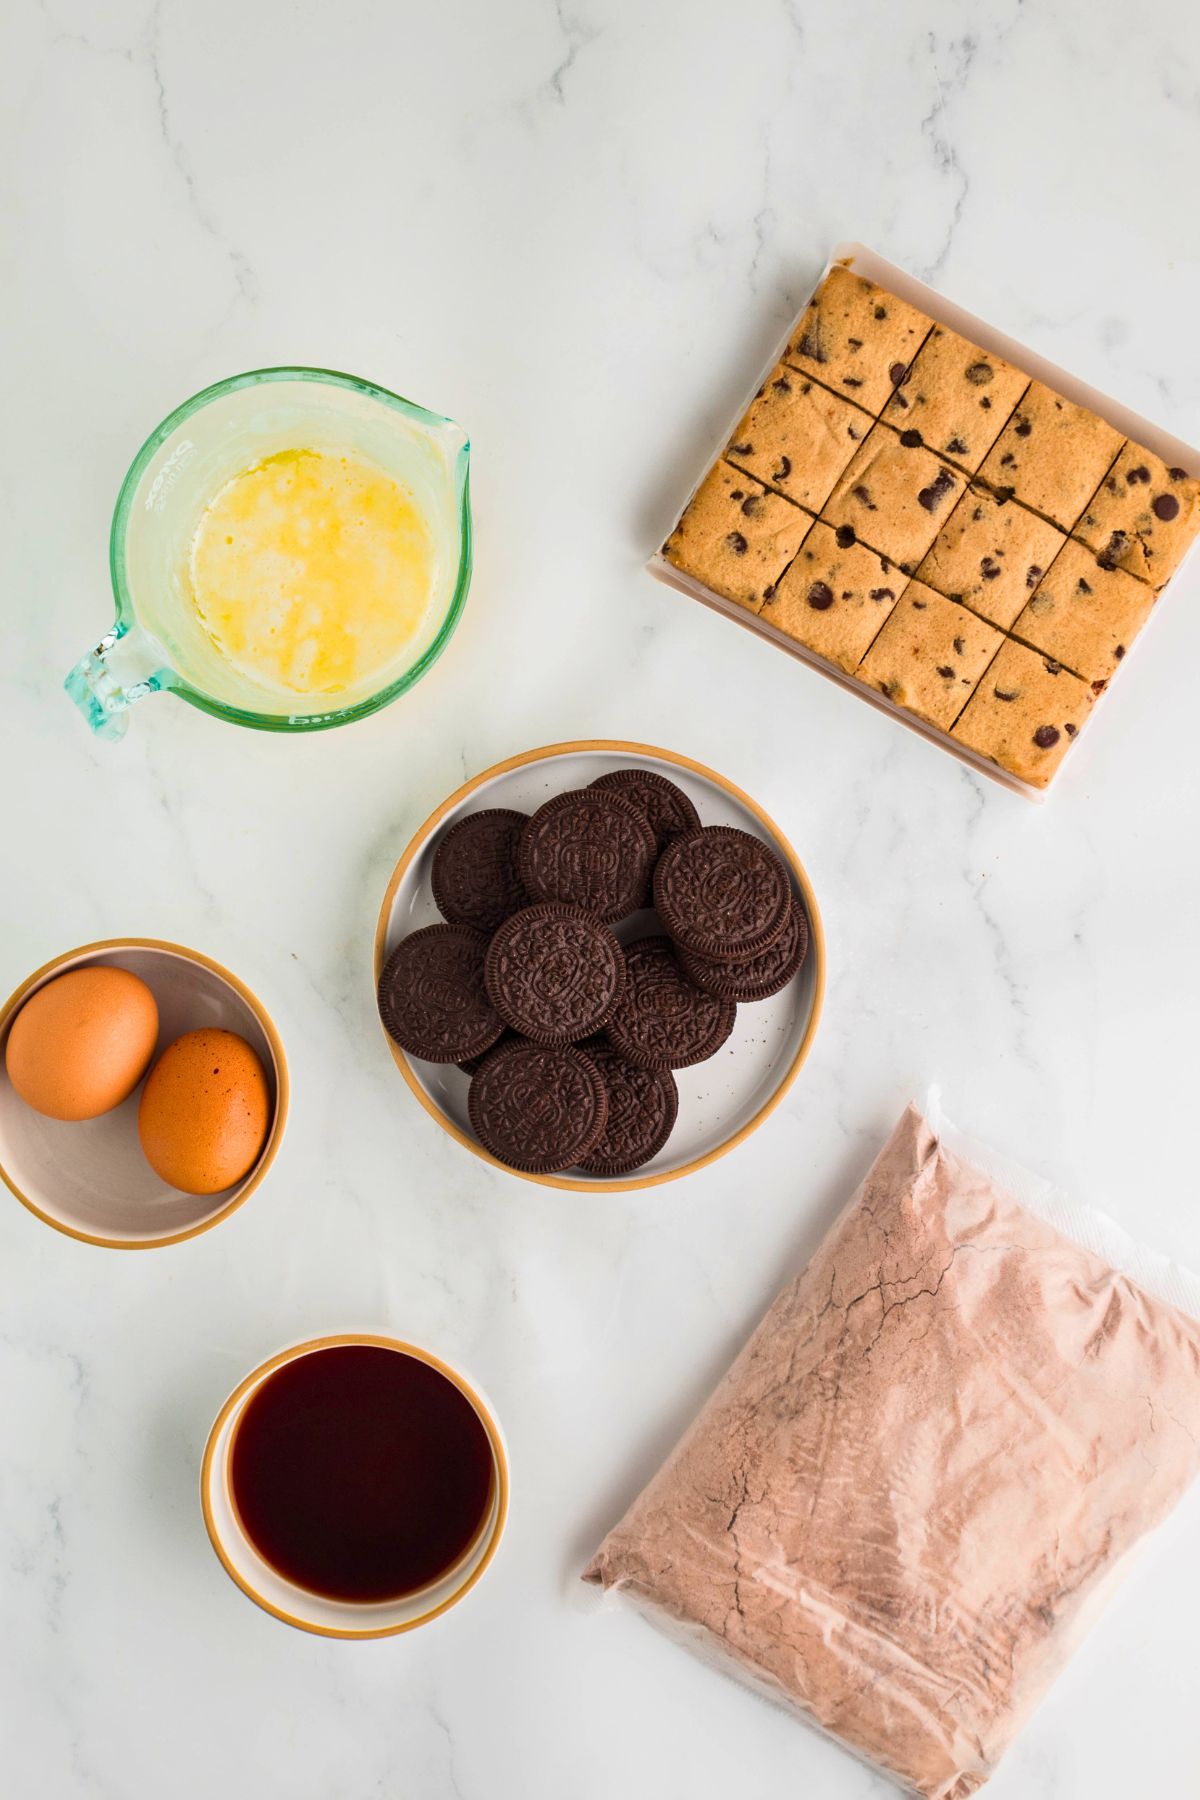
[89, 1178]
[721, 1101]
[295, 1605]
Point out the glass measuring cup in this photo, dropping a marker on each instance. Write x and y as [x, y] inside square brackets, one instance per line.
[157, 643]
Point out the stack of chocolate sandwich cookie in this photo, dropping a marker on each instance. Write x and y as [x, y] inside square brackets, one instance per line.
[568, 1035]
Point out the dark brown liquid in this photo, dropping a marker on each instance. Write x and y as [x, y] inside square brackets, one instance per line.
[361, 1473]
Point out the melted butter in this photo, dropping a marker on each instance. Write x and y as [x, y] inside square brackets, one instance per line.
[311, 571]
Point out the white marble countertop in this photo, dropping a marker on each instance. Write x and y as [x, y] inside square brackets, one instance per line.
[577, 228]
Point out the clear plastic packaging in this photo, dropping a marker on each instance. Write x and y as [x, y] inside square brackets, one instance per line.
[914, 1489]
[867, 262]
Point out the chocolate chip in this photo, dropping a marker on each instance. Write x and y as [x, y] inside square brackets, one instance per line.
[809, 343]
[784, 469]
[782, 385]
[751, 505]
[911, 439]
[960, 645]
[1098, 687]
[977, 514]
[853, 433]
[863, 496]
[957, 599]
[980, 373]
[806, 387]
[1003, 495]
[851, 381]
[845, 536]
[854, 343]
[931, 497]
[1024, 428]
[769, 591]
[1110, 484]
[946, 672]
[1111, 552]
[1046, 736]
[742, 449]
[1070, 730]
[1033, 575]
[1004, 694]
[882, 594]
[1165, 506]
[989, 569]
[820, 596]
[1119, 652]
[1083, 587]
[737, 543]
[919, 605]
[1007, 460]
[737, 493]
[986, 404]
[896, 373]
[956, 447]
[1177, 474]
[881, 312]
[1051, 667]
[899, 400]
[1141, 473]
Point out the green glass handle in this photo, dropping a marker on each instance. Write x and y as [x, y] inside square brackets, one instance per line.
[123, 668]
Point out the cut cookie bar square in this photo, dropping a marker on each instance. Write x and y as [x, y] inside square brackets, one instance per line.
[1052, 454]
[798, 436]
[957, 396]
[930, 655]
[991, 554]
[857, 338]
[1083, 614]
[894, 496]
[1142, 516]
[736, 536]
[834, 597]
[1024, 714]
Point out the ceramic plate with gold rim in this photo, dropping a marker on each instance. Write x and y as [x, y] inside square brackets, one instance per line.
[720, 1101]
[90, 1179]
[308, 1611]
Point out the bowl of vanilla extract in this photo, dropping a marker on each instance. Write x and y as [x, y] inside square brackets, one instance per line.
[355, 1486]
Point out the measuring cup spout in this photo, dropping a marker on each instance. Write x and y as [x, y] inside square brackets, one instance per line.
[123, 667]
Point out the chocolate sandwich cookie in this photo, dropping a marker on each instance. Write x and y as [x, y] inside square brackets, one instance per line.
[538, 1108]
[432, 996]
[554, 973]
[758, 977]
[722, 893]
[666, 807]
[642, 1108]
[474, 875]
[590, 848]
[663, 1020]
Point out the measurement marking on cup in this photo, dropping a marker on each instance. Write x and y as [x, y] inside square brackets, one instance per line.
[169, 474]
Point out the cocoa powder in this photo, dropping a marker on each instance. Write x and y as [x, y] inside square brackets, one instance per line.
[902, 1505]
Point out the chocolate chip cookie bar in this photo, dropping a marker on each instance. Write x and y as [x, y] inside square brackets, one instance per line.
[797, 436]
[1024, 713]
[1084, 614]
[990, 555]
[1143, 516]
[893, 495]
[957, 396]
[1051, 455]
[856, 338]
[835, 596]
[929, 655]
[940, 525]
[737, 536]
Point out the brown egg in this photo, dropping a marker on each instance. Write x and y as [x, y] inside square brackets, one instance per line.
[205, 1111]
[80, 1045]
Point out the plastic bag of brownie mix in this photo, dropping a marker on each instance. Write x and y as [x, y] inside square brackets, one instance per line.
[907, 1499]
